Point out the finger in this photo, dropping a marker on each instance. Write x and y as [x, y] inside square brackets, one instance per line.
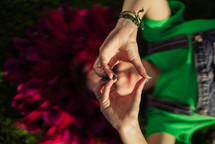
[139, 66]
[106, 92]
[104, 64]
[138, 89]
[99, 89]
[113, 61]
[97, 68]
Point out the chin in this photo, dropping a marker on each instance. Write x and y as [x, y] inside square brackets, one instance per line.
[124, 91]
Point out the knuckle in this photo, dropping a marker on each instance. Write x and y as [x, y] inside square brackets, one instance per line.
[95, 69]
[101, 109]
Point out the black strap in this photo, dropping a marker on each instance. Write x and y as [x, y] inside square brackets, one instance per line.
[169, 106]
[173, 43]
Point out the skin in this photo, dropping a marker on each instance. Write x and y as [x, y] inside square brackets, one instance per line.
[121, 46]
[121, 98]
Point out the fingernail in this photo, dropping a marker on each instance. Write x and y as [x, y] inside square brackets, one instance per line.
[106, 78]
[146, 81]
[114, 76]
[149, 76]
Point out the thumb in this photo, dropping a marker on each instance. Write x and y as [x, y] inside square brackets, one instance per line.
[104, 64]
[106, 93]
[97, 68]
[139, 66]
[136, 93]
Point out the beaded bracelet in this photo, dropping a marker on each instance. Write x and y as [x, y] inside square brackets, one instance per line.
[136, 18]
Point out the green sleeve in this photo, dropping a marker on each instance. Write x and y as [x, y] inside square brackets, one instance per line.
[157, 30]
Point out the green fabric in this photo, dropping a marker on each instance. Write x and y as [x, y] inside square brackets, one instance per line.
[178, 80]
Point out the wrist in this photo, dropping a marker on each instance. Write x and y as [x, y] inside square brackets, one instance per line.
[132, 134]
[125, 22]
[129, 128]
[133, 16]
[128, 26]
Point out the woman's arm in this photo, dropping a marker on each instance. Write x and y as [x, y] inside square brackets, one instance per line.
[132, 135]
[122, 110]
[121, 45]
[153, 9]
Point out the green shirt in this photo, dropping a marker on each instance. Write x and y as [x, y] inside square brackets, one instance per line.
[178, 80]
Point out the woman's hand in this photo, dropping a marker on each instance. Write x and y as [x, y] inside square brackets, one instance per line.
[120, 111]
[120, 45]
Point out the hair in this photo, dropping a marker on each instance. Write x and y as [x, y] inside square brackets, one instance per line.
[52, 93]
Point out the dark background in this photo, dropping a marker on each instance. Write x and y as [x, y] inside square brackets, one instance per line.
[16, 15]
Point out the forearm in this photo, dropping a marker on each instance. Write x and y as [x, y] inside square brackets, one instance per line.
[153, 9]
[132, 135]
